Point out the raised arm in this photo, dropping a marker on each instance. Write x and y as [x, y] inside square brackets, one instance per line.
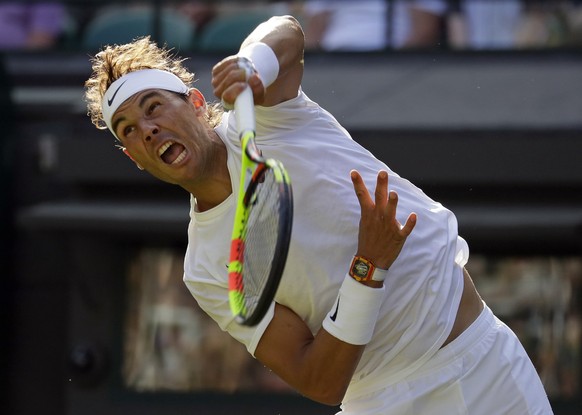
[279, 71]
[321, 366]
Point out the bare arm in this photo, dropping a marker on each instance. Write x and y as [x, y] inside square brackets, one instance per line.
[285, 36]
[321, 366]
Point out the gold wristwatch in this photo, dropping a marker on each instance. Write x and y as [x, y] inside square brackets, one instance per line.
[362, 269]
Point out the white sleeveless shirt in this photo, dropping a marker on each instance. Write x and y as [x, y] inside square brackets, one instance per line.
[423, 286]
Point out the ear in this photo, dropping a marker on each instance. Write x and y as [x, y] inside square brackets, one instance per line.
[129, 155]
[198, 100]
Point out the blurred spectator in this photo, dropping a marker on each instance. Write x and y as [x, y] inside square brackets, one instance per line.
[417, 23]
[345, 25]
[551, 24]
[484, 24]
[575, 25]
[31, 25]
[369, 25]
[200, 12]
[121, 22]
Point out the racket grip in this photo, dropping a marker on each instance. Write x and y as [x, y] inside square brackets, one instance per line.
[244, 110]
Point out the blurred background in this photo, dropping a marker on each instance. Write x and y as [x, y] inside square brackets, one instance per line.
[478, 102]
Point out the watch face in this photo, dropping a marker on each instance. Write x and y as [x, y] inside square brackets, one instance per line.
[361, 268]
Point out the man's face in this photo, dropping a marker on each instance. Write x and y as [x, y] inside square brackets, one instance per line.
[163, 133]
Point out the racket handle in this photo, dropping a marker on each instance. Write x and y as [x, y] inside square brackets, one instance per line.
[244, 110]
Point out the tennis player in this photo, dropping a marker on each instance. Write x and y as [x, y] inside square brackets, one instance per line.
[375, 309]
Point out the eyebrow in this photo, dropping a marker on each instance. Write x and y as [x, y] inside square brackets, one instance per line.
[141, 104]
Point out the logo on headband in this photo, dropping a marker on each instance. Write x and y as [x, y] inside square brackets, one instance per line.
[110, 101]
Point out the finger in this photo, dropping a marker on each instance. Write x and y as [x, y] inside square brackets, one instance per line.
[360, 188]
[232, 74]
[409, 225]
[232, 92]
[391, 213]
[391, 205]
[381, 192]
[258, 88]
[221, 69]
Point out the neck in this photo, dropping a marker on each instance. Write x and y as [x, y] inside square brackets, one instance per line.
[216, 186]
[213, 195]
[203, 206]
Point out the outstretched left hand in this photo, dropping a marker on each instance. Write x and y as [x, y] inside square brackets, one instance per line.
[381, 237]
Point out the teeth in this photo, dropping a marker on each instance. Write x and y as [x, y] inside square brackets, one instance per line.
[163, 148]
[180, 157]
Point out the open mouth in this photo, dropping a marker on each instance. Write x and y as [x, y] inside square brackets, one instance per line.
[172, 153]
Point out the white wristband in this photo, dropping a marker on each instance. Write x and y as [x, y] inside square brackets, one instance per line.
[264, 60]
[353, 317]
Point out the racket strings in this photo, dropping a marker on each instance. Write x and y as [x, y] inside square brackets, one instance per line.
[261, 238]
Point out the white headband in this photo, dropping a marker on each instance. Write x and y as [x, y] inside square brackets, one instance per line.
[134, 82]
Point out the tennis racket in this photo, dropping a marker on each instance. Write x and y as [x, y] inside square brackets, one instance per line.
[262, 224]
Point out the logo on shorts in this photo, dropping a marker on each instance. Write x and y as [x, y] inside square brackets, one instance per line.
[110, 101]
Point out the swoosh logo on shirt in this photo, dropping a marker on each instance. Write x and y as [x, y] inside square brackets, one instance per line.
[334, 315]
[110, 101]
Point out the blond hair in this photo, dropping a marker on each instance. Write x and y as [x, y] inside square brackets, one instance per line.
[114, 61]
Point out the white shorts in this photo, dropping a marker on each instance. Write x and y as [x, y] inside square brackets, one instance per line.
[484, 371]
